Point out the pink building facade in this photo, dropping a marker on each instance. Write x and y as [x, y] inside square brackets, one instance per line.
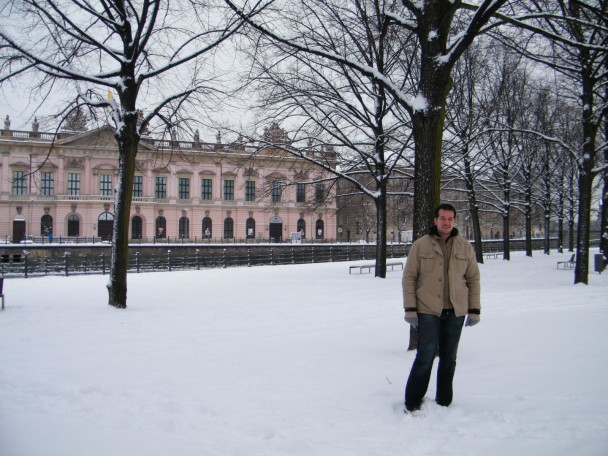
[187, 191]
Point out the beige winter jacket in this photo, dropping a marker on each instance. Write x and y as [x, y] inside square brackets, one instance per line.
[423, 278]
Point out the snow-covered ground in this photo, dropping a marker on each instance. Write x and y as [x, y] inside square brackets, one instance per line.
[298, 360]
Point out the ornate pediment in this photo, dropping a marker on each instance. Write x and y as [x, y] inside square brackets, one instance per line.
[102, 137]
[48, 166]
[105, 169]
[74, 163]
[20, 164]
[276, 177]
[99, 137]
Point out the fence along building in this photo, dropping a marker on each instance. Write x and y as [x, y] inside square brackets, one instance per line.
[182, 190]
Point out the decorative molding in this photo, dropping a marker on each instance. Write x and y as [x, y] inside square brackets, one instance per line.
[74, 163]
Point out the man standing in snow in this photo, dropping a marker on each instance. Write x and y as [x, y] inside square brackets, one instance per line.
[440, 287]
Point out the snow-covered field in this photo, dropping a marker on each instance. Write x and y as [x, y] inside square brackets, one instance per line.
[298, 360]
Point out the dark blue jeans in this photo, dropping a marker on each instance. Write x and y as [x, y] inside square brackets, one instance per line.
[435, 334]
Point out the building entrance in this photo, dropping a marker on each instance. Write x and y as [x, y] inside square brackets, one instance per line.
[18, 231]
[275, 229]
[105, 226]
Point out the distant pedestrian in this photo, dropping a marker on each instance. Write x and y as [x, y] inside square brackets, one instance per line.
[441, 285]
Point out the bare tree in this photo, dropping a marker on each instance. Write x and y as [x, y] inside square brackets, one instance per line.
[508, 96]
[332, 106]
[444, 29]
[577, 48]
[466, 135]
[135, 50]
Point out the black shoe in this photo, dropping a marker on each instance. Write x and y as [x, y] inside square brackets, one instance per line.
[412, 408]
[443, 404]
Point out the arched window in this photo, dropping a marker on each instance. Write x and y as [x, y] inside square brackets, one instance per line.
[105, 226]
[184, 228]
[250, 228]
[302, 228]
[46, 225]
[73, 225]
[136, 227]
[319, 229]
[228, 228]
[161, 227]
[207, 230]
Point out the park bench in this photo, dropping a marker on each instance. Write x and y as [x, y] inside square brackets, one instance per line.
[1, 291]
[369, 267]
[493, 255]
[567, 264]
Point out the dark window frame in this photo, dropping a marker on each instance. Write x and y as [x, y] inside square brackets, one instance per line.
[160, 187]
[183, 187]
[228, 189]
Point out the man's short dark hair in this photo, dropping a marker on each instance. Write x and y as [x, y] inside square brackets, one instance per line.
[445, 207]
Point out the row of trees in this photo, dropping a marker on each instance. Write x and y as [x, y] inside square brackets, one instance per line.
[506, 138]
[369, 79]
[383, 71]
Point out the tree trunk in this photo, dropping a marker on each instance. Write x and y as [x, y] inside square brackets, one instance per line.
[128, 141]
[571, 220]
[427, 170]
[604, 217]
[528, 217]
[506, 238]
[381, 238]
[581, 270]
[473, 207]
[560, 217]
[585, 183]
[604, 208]
[477, 233]
[434, 85]
[547, 205]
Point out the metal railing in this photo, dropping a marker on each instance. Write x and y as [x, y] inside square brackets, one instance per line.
[26, 265]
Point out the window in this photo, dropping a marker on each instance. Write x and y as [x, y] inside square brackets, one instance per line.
[160, 187]
[300, 193]
[228, 228]
[207, 228]
[276, 192]
[73, 225]
[320, 227]
[19, 182]
[46, 225]
[301, 226]
[184, 188]
[73, 184]
[228, 190]
[319, 193]
[138, 187]
[250, 228]
[105, 226]
[136, 227]
[206, 192]
[47, 186]
[250, 191]
[161, 227]
[105, 185]
[184, 228]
